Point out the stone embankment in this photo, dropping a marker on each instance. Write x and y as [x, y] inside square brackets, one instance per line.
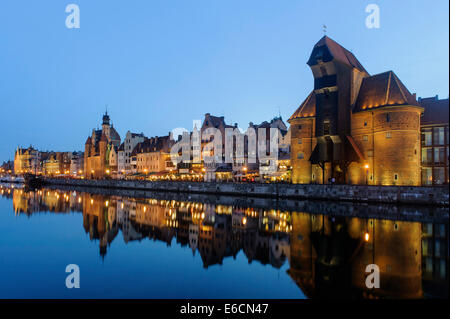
[412, 195]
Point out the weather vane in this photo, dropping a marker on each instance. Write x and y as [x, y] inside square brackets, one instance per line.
[324, 29]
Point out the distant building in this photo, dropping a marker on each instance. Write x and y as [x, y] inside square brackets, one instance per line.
[153, 155]
[216, 168]
[77, 164]
[251, 165]
[7, 167]
[435, 140]
[354, 127]
[270, 167]
[97, 149]
[27, 160]
[57, 163]
[112, 155]
[124, 152]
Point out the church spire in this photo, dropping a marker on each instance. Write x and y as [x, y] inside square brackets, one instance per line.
[106, 117]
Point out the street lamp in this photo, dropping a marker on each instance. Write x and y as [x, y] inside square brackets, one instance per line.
[367, 173]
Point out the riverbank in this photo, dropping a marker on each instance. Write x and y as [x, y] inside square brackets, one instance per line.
[435, 196]
[416, 213]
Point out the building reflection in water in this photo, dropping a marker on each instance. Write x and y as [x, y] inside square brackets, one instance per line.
[327, 255]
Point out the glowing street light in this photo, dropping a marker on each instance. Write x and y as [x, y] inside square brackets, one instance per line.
[366, 166]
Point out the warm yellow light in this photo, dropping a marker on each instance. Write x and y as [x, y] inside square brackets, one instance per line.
[107, 203]
[366, 236]
[92, 201]
[107, 171]
[366, 166]
[244, 221]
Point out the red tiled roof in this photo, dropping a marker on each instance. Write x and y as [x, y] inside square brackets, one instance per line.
[384, 89]
[339, 53]
[307, 108]
[436, 111]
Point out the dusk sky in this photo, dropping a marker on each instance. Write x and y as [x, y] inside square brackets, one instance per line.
[159, 65]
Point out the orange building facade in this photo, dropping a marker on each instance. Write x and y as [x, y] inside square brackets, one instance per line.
[355, 128]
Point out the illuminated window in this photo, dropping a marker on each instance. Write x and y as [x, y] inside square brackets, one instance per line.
[365, 138]
[388, 134]
[299, 141]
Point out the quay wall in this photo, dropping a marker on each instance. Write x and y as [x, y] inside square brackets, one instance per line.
[412, 195]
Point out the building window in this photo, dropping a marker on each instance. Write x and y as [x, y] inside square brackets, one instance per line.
[388, 134]
[323, 71]
[365, 138]
[439, 155]
[439, 175]
[299, 127]
[438, 136]
[326, 127]
[371, 177]
[299, 141]
[365, 123]
[427, 155]
[300, 155]
[427, 176]
[370, 153]
[388, 117]
[395, 177]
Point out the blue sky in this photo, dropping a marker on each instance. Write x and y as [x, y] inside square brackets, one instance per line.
[159, 65]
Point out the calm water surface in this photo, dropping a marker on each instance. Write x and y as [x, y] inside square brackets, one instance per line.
[168, 247]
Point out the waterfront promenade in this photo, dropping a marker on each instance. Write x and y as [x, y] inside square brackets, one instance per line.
[412, 195]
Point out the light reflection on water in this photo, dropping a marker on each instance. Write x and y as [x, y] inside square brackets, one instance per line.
[167, 247]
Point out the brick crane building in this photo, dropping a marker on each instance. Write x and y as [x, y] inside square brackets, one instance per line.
[354, 127]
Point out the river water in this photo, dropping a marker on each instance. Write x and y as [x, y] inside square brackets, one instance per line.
[162, 245]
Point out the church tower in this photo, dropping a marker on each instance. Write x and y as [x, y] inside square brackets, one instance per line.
[106, 126]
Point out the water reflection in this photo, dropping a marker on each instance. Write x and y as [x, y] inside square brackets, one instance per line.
[327, 255]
